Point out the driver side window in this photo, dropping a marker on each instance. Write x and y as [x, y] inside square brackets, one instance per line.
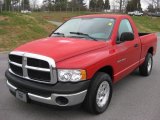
[125, 26]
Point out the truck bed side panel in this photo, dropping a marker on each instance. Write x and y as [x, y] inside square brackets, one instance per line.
[148, 41]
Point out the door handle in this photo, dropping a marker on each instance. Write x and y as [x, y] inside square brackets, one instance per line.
[135, 45]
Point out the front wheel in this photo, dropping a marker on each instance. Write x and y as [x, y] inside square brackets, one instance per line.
[99, 93]
[146, 68]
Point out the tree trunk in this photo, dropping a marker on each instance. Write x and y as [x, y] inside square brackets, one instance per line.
[120, 6]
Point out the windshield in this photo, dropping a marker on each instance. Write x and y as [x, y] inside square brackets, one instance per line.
[92, 28]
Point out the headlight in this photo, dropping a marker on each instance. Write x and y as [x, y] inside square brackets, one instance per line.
[65, 75]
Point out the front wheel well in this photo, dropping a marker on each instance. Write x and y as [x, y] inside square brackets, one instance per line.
[150, 50]
[108, 70]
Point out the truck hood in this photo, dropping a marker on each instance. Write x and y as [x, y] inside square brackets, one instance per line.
[60, 48]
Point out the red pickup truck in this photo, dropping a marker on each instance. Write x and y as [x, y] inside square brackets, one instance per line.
[80, 62]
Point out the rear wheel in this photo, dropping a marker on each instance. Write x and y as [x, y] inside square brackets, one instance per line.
[99, 93]
[146, 68]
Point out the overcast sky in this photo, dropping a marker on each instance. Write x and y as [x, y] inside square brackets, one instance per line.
[144, 4]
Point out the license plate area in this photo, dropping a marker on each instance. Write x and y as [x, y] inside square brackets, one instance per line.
[21, 96]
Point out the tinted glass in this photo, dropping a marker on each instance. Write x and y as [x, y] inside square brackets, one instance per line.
[125, 26]
[99, 28]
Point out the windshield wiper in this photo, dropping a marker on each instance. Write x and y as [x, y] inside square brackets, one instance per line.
[84, 34]
[58, 33]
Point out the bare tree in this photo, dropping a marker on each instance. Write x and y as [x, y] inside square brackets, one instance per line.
[154, 3]
[1, 5]
[48, 4]
[34, 2]
[14, 4]
[122, 4]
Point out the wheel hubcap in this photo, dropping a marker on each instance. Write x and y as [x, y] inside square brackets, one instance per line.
[103, 94]
[149, 65]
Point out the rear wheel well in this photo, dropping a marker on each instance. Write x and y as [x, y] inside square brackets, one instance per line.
[150, 50]
[108, 70]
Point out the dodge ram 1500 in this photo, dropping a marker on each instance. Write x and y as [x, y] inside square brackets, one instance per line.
[80, 61]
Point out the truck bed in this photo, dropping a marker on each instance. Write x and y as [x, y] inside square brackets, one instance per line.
[148, 40]
[143, 34]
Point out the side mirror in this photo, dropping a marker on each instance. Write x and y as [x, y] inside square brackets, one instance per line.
[127, 36]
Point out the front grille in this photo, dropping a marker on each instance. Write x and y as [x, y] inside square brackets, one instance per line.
[15, 58]
[37, 63]
[39, 75]
[32, 67]
[17, 70]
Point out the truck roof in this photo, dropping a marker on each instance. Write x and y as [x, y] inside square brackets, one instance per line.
[115, 16]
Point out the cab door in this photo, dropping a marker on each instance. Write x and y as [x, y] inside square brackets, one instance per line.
[128, 52]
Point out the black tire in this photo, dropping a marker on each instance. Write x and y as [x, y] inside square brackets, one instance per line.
[143, 69]
[90, 101]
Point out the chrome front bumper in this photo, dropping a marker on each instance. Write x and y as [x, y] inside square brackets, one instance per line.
[73, 99]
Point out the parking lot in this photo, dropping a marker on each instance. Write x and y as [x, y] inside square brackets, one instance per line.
[134, 98]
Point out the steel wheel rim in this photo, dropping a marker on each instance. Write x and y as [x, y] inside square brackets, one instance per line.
[103, 94]
[149, 64]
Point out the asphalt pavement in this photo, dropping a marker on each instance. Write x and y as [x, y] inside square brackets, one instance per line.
[134, 98]
[55, 23]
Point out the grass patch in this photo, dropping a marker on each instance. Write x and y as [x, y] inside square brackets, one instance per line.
[60, 16]
[17, 29]
[2, 31]
[147, 23]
